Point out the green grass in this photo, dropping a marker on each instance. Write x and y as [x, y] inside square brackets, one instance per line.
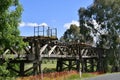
[48, 65]
[45, 64]
[73, 77]
[77, 76]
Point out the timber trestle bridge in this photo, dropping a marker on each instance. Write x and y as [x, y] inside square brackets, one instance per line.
[69, 56]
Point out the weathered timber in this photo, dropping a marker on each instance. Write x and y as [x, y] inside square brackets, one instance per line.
[69, 56]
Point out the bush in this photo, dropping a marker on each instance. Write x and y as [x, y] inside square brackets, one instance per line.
[3, 70]
[5, 74]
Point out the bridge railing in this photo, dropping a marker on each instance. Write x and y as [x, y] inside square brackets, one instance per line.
[45, 31]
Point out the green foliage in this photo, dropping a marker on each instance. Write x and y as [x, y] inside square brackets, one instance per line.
[7, 78]
[10, 17]
[3, 70]
[77, 76]
[71, 34]
[10, 14]
[101, 21]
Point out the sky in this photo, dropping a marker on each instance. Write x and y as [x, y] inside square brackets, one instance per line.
[53, 13]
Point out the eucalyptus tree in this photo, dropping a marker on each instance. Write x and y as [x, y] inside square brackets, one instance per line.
[72, 34]
[10, 17]
[101, 21]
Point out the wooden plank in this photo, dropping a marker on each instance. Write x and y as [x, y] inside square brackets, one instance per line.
[6, 51]
[9, 67]
[30, 57]
[62, 53]
[30, 68]
[43, 48]
[14, 52]
[27, 50]
[52, 49]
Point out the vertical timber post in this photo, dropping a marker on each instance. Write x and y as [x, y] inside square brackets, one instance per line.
[21, 69]
[79, 59]
[70, 65]
[92, 65]
[39, 58]
[78, 65]
[85, 65]
[36, 64]
[59, 65]
[100, 61]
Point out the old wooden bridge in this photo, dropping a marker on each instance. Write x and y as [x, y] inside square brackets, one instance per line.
[77, 56]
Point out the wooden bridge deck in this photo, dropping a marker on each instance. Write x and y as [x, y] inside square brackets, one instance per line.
[44, 56]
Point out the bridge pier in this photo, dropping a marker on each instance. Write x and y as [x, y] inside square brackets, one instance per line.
[78, 65]
[38, 59]
[101, 65]
[22, 66]
[59, 65]
[67, 64]
[70, 65]
[89, 65]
